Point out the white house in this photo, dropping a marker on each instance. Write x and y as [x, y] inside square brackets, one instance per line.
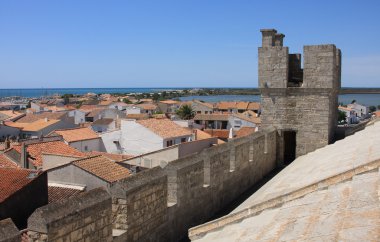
[360, 110]
[133, 110]
[103, 125]
[137, 137]
[78, 115]
[351, 117]
[83, 139]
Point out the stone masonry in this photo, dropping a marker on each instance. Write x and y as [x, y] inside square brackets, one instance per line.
[301, 100]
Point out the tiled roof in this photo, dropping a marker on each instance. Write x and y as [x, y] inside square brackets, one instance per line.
[103, 121]
[58, 193]
[53, 147]
[220, 133]
[113, 157]
[212, 117]
[2, 145]
[13, 180]
[95, 112]
[77, 134]
[137, 116]
[10, 115]
[244, 131]
[6, 162]
[199, 135]
[147, 106]
[255, 120]
[169, 102]
[34, 126]
[103, 168]
[209, 105]
[232, 105]
[164, 128]
[30, 118]
[254, 106]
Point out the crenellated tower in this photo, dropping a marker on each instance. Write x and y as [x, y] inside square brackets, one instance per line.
[300, 102]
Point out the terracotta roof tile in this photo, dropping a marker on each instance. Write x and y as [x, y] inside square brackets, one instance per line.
[34, 126]
[30, 118]
[58, 193]
[244, 131]
[212, 117]
[169, 102]
[76, 134]
[137, 116]
[113, 157]
[103, 168]
[255, 120]
[199, 135]
[220, 133]
[147, 106]
[53, 147]
[254, 106]
[10, 115]
[6, 162]
[164, 128]
[13, 180]
[209, 105]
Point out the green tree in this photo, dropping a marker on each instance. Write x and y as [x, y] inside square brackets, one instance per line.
[186, 112]
[156, 96]
[372, 109]
[127, 101]
[353, 101]
[342, 117]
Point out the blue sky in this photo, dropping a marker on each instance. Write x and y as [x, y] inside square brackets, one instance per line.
[182, 43]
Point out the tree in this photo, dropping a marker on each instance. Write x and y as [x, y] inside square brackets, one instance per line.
[186, 112]
[127, 101]
[342, 117]
[353, 101]
[156, 96]
[372, 109]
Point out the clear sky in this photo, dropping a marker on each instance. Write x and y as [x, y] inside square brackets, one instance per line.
[180, 43]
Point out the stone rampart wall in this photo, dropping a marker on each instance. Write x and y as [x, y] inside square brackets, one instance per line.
[162, 204]
[86, 217]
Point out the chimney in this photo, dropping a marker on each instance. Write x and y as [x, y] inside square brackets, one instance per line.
[46, 119]
[7, 143]
[24, 157]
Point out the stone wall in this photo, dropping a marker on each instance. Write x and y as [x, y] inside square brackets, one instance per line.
[9, 231]
[86, 217]
[304, 101]
[162, 204]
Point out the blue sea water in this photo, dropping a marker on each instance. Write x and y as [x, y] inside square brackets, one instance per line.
[364, 99]
[39, 92]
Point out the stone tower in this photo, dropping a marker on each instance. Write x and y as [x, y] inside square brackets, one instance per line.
[301, 103]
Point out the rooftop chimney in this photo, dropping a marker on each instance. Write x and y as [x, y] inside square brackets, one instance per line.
[46, 119]
[24, 157]
[7, 143]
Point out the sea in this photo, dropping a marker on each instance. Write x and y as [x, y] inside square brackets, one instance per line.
[365, 99]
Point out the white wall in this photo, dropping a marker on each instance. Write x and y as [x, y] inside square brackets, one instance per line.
[108, 139]
[137, 140]
[79, 116]
[91, 144]
[236, 123]
[133, 110]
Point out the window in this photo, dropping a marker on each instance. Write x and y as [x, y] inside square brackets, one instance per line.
[85, 148]
[169, 143]
[183, 140]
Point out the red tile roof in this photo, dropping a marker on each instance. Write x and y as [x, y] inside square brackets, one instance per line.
[164, 127]
[244, 131]
[220, 133]
[6, 162]
[13, 180]
[53, 147]
[76, 134]
[103, 168]
[56, 193]
[113, 157]
[30, 118]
